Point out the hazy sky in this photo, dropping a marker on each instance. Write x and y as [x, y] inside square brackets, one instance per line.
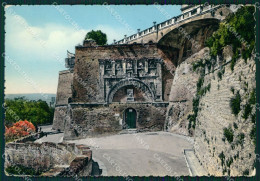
[38, 37]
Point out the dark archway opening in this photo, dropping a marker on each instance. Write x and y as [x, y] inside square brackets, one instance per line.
[130, 118]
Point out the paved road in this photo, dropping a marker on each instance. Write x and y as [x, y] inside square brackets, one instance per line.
[142, 154]
[53, 136]
[136, 154]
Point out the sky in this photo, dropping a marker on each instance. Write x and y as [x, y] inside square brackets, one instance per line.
[37, 37]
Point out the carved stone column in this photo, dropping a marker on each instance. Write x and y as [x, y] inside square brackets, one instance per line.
[124, 66]
[146, 66]
[101, 80]
[113, 67]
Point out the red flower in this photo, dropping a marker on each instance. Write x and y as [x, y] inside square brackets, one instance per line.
[19, 129]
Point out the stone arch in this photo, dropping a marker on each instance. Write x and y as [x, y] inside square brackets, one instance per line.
[134, 82]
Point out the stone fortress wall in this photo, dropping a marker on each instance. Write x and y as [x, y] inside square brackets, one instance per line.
[91, 112]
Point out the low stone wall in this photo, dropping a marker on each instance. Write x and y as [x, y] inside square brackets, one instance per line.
[94, 120]
[47, 157]
[31, 137]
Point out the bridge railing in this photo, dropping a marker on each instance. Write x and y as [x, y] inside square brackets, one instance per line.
[177, 19]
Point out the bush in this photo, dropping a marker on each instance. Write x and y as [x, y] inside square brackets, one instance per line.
[222, 158]
[19, 129]
[235, 125]
[246, 172]
[229, 162]
[253, 118]
[22, 170]
[240, 137]
[228, 134]
[200, 83]
[241, 23]
[197, 64]
[247, 111]
[232, 90]
[253, 134]
[252, 99]
[220, 75]
[235, 103]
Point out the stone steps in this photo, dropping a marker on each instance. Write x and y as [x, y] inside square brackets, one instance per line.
[128, 131]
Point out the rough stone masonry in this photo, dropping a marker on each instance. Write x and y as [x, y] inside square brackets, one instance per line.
[113, 87]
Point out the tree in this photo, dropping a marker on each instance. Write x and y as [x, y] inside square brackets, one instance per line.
[98, 36]
[37, 112]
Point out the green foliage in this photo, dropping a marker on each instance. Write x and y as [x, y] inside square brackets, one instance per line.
[252, 99]
[229, 162]
[228, 134]
[235, 125]
[253, 134]
[200, 83]
[246, 172]
[234, 60]
[220, 75]
[222, 158]
[240, 137]
[253, 118]
[232, 90]
[197, 64]
[98, 36]
[21, 170]
[37, 112]
[247, 111]
[201, 91]
[238, 31]
[202, 63]
[235, 103]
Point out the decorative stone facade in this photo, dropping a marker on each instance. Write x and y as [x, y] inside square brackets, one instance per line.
[105, 82]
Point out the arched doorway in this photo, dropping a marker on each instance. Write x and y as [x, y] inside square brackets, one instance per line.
[130, 118]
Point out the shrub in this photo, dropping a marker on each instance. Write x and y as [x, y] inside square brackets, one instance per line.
[200, 83]
[235, 103]
[228, 134]
[253, 118]
[197, 64]
[220, 75]
[252, 99]
[241, 23]
[235, 125]
[222, 158]
[240, 137]
[229, 162]
[253, 134]
[19, 129]
[247, 111]
[22, 170]
[232, 90]
[246, 172]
